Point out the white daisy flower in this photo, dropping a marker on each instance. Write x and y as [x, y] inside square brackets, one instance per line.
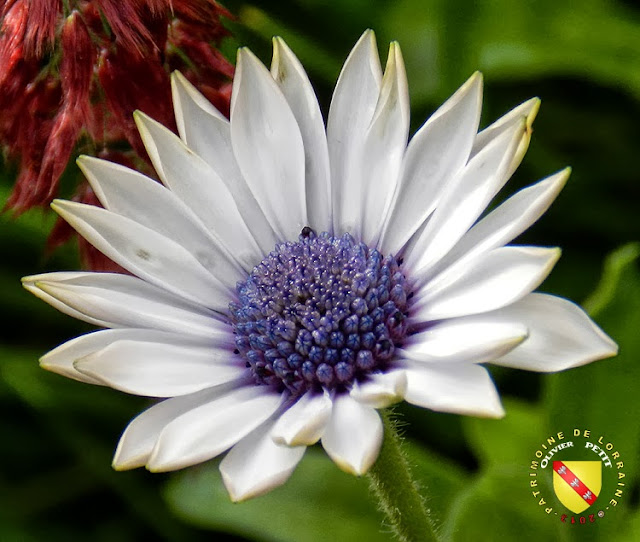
[287, 280]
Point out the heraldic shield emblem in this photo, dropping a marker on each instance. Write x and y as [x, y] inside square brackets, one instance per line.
[577, 483]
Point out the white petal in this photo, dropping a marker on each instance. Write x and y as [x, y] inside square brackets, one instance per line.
[61, 359]
[493, 280]
[527, 111]
[304, 422]
[39, 285]
[208, 133]
[257, 465]
[161, 369]
[268, 146]
[381, 390]
[475, 339]
[208, 430]
[352, 108]
[505, 222]
[200, 187]
[113, 300]
[135, 196]
[434, 156]
[561, 335]
[140, 436]
[145, 253]
[385, 145]
[294, 84]
[463, 200]
[353, 436]
[459, 388]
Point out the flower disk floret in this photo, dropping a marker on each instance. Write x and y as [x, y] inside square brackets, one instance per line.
[320, 314]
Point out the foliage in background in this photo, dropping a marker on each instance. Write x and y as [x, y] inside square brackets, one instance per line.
[583, 60]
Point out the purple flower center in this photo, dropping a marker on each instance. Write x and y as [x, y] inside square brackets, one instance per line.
[320, 313]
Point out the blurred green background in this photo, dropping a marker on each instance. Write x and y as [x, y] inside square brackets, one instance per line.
[583, 60]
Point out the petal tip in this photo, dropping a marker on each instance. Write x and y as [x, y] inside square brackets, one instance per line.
[43, 362]
[128, 464]
[57, 205]
[83, 159]
[533, 112]
[246, 55]
[368, 33]
[177, 77]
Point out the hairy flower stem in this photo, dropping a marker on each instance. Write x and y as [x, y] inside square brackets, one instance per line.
[396, 491]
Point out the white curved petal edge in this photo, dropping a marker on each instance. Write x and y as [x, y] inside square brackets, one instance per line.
[384, 147]
[303, 423]
[353, 105]
[527, 111]
[463, 200]
[208, 134]
[137, 197]
[256, 464]
[493, 280]
[160, 369]
[460, 388]
[268, 146]
[196, 183]
[471, 339]
[288, 73]
[561, 335]
[146, 253]
[139, 438]
[505, 222]
[61, 359]
[435, 154]
[381, 390]
[206, 431]
[45, 287]
[115, 300]
[353, 436]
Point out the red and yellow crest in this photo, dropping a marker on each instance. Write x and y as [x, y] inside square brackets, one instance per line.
[577, 484]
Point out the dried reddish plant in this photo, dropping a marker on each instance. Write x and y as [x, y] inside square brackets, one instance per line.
[73, 72]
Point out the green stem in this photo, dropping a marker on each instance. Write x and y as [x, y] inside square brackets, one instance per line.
[397, 493]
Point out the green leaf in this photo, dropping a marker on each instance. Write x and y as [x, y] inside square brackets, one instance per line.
[318, 503]
[498, 506]
[509, 441]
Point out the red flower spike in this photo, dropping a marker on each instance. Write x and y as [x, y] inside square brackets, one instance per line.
[72, 73]
[60, 145]
[203, 12]
[203, 55]
[14, 27]
[148, 89]
[42, 19]
[127, 21]
[29, 132]
[76, 67]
